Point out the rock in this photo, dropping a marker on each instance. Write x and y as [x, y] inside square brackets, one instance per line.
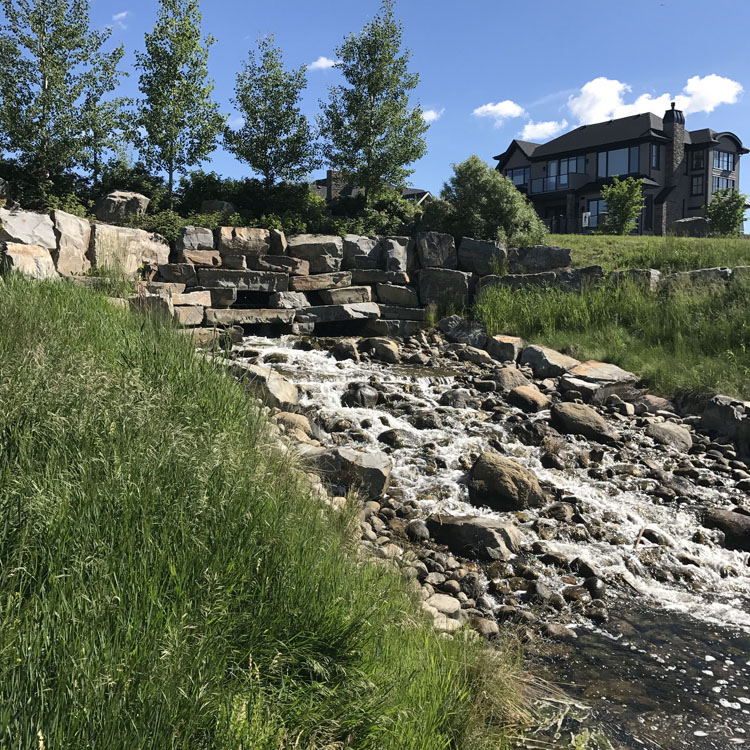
[383, 349]
[503, 484]
[597, 380]
[207, 337]
[692, 226]
[558, 632]
[246, 281]
[446, 605]
[486, 628]
[338, 313]
[390, 294]
[325, 253]
[283, 263]
[395, 253]
[275, 390]
[236, 317]
[459, 330]
[243, 241]
[195, 240]
[508, 378]
[394, 312]
[29, 260]
[288, 300]
[475, 355]
[345, 349]
[152, 304]
[475, 538]
[417, 530]
[73, 236]
[369, 473]
[27, 228]
[735, 526]
[369, 277]
[294, 422]
[346, 296]
[188, 316]
[670, 434]
[392, 328]
[200, 299]
[361, 252]
[538, 258]
[728, 418]
[396, 438]
[505, 348]
[320, 281]
[646, 279]
[699, 277]
[360, 395]
[223, 298]
[278, 242]
[481, 256]
[180, 273]
[125, 250]
[546, 363]
[436, 250]
[579, 419]
[529, 398]
[120, 206]
[217, 207]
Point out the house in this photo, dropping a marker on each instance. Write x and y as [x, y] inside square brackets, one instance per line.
[681, 169]
[334, 185]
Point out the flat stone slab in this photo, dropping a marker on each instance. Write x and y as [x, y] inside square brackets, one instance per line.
[392, 328]
[598, 375]
[202, 299]
[475, 537]
[397, 312]
[235, 317]
[505, 348]
[320, 281]
[188, 316]
[346, 295]
[368, 277]
[391, 294]
[246, 281]
[283, 263]
[27, 228]
[325, 253]
[338, 313]
[547, 363]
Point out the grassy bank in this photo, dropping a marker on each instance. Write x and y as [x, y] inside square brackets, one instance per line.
[167, 582]
[664, 253]
[692, 339]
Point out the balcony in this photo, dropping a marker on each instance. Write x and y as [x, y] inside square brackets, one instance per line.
[570, 181]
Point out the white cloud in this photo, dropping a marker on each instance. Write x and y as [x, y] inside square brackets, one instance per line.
[604, 98]
[322, 63]
[500, 111]
[541, 131]
[430, 115]
[119, 18]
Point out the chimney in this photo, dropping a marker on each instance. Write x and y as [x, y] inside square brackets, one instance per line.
[674, 129]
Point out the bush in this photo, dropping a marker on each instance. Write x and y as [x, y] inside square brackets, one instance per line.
[119, 174]
[726, 212]
[624, 199]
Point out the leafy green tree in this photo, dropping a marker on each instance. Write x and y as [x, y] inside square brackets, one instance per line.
[624, 199]
[371, 131]
[177, 123]
[275, 138]
[50, 63]
[479, 202]
[726, 212]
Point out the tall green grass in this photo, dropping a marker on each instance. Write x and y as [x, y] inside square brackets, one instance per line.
[693, 339]
[663, 253]
[166, 580]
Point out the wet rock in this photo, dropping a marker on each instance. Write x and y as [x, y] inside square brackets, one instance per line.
[545, 362]
[481, 257]
[474, 537]
[576, 595]
[503, 484]
[417, 530]
[670, 434]
[734, 526]
[369, 473]
[396, 438]
[277, 391]
[596, 587]
[579, 419]
[508, 378]
[538, 592]
[459, 330]
[382, 349]
[558, 632]
[529, 398]
[458, 398]
[360, 395]
[345, 349]
[436, 250]
[560, 512]
[426, 420]
[505, 348]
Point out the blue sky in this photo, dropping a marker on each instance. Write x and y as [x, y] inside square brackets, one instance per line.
[494, 70]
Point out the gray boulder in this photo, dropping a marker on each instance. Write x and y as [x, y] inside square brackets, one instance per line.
[579, 419]
[519, 281]
[383, 349]
[481, 256]
[459, 330]
[445, 288]
[395, 253]
[505, 348]
[325, 253]
[476, 538]
[346, 296]
[673, 435]
[27, 228]
[289, 300]
[391, 294]
[503, 484]
[126, 249]
[647, 279]
[320, 281]
[29, 260]
[361, 252]
[538, 258]
[243, 281]
[121, 205]
[243, 241]
[597, 380]
[729, 418]
[369, 473]
[275, 390]
[436, 250]
[73, 236]
[338, 313]
[195, 239]
[545, 362]
[735, 526]
[578, 279]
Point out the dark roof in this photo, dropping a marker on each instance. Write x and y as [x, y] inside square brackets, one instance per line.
[597, 184]
[527, 148]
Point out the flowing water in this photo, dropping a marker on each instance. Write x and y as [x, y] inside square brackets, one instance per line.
[671, 667]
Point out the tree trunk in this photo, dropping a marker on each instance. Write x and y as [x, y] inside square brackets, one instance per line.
[170, 187]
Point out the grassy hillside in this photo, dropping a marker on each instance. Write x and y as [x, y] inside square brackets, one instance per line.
[664, 253]
[693, 339]
[167, 582]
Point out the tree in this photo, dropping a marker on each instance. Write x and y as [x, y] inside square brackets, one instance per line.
[624, 201]
[479, 202]
[726, 212]
[50, 63]
[371, 132]
[275, 138]
[177, 123]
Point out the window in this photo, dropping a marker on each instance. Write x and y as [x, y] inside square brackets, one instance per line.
[696, 185]
[655, 152]
[724, 161]
[519, 176]
[596, 208]
[619, 161]
[722, 183]
[698, 159]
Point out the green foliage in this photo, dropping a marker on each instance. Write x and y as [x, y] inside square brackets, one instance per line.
[275, 138]
[50, 67]
[624, 199]
[387, 213]
[177, 123]
[120, 174]
[691, 339]
[486, 205]
[70, 203]
[169, 581]
[726, 212]
[199, 186]
[371, 131]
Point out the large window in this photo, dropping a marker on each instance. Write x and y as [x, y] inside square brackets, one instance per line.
[722, 183]
[696, 185]
[655, 153]
[724, 161]
[619, 161]
[519, 176]
[596, 208]
[698, 159]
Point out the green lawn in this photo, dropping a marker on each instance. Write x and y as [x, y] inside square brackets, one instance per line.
[694, 340]
[663, 253]
[166, 581]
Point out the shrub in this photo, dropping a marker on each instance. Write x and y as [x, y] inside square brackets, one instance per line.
[119, 174]
[624, 199]
[726, 212]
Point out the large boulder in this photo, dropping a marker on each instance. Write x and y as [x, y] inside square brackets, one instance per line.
[505, 348]
[289, 300]
[459, 330]
[325, 253]
[538, 258]
[391, 294]
[27, 228]
[383, 349]
[125, 249]
[579, 419]
[243, 241]
[193, 240]
[545, 362]
[481, 257]
[692, 226]
[484, 539]
[672, 435]
[735, 526]
[73, 237]
[275, 390]
[395, 253]
[361, 252]
[120, 206]
[320, 281]
[445, 288]
[338, 313]
[29, 260]
[369, 473]
[728, 418]
[346, 296]
[597, 380]
[503, 484]
[436, 250]
[244, 281]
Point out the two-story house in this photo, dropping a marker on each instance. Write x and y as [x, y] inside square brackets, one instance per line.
[680, 169]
